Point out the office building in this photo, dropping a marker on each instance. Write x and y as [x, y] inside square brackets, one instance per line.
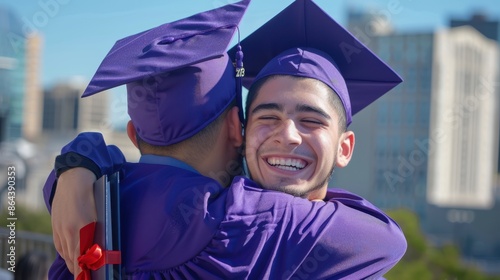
[396, 135]
[464, 120]
[389, 165]
[490, 29]
[66, 112]
[12, 75]
[33, 98]
[430, 144]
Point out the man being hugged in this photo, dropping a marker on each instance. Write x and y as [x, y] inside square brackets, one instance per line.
[284, 222]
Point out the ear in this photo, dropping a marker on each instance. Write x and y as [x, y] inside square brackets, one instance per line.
[132, 134]
[234, 127]
[346, 148]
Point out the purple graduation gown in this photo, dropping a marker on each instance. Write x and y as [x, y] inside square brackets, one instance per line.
[178, 224]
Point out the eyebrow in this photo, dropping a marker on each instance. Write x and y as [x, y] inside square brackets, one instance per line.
[309, 108]
[268, 106]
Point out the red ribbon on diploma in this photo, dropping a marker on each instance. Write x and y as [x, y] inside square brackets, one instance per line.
[92, 257]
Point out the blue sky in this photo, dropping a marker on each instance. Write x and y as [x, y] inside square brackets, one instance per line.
[78, 34]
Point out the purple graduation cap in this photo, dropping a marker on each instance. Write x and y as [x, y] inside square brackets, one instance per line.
[303, 40]
[178, 75]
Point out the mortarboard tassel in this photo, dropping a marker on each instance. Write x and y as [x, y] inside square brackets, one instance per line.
[240, 73]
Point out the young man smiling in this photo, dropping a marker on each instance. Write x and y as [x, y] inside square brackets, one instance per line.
[295, 135]
[294, 138]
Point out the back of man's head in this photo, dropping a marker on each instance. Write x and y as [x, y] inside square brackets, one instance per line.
[179, 77]
[194, 148]
[169, 108]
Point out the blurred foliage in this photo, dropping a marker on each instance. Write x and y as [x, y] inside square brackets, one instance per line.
[422, 261]
[30, 220]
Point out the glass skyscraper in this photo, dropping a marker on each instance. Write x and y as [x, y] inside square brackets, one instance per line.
[389, 165]
[12, 75]
[429, 144]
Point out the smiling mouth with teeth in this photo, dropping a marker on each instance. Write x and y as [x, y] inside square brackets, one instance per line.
[287, 163]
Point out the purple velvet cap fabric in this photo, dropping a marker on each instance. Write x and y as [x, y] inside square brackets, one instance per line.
[178, 75]
[303, 40]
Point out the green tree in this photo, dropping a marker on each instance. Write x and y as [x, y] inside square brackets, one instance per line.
[29, 220]
[422, 261]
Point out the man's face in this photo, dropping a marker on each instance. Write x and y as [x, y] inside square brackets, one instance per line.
[292, 136]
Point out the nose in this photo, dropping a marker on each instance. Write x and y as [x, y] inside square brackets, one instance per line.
[288, 134]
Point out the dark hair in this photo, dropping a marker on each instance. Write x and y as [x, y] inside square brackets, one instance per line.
[199, 144]
[334, 99]
[33, 265]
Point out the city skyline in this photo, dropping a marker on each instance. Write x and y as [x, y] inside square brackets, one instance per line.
[430, 144]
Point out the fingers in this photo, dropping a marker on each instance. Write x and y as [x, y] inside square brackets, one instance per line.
[76, 254]
[57, 240]
[59, 243]
[73, 207]
[59, 247]
[69, 257]
[70, 267]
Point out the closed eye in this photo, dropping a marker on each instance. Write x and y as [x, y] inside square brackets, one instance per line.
[313, 121]
[267, 117]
